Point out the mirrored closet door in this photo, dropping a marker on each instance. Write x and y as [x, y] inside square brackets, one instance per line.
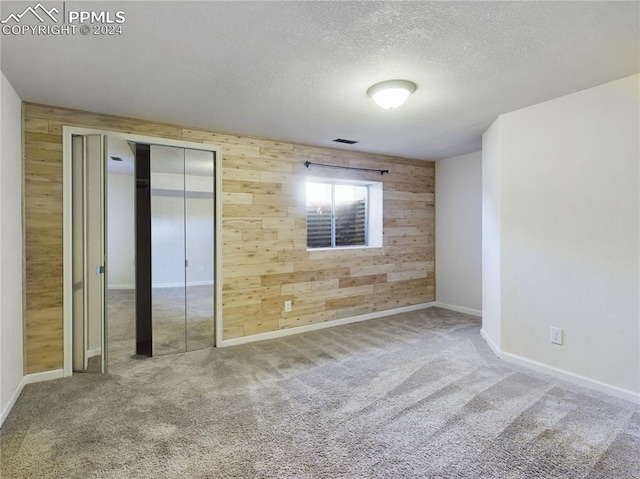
[120, 258]
[143, 248]
[199, 244]
[182, 249]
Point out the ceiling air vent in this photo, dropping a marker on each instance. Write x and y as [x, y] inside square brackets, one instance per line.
[348, 142]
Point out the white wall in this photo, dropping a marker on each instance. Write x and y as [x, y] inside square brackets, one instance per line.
[200, 239]
[11, 279]
[569, 221]
[168, 229]
[459, 232]
[168, 239]
[121, 234]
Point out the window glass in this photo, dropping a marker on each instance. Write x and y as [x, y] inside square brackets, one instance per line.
[319, 215]
[337, 215]
[350, 211]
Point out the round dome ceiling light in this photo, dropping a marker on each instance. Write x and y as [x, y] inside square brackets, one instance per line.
[391, 93]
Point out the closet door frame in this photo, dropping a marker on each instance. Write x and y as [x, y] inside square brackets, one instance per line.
[67, 185]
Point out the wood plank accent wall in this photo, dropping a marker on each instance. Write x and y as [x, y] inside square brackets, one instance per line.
[265, 260]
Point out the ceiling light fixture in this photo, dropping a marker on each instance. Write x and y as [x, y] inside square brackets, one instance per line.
[391, 93]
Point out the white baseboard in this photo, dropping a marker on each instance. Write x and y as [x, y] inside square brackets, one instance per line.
[28, 379]
[492, 345]
[458, 309]
[121, 286]
[12, 401]
[558, 373]
[327, 324]
[572, 377]
[45, 376]
[181, 285]
[94, 352]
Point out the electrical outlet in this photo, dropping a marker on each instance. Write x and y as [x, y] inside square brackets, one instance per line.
[556, 335]
[287, 306]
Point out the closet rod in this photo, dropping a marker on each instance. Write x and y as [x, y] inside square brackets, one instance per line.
[308, 164]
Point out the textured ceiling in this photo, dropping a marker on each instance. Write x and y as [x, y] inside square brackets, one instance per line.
[299, 71]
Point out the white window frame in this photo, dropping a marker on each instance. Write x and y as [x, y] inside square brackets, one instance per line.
[374, 207]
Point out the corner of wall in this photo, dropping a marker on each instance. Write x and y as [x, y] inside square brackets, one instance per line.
[491, 236]
[11, 252]
[459, 233]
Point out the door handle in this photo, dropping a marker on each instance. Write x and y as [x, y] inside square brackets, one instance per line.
[100, 269]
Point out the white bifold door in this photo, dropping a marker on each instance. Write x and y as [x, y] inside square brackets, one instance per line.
[89, 253]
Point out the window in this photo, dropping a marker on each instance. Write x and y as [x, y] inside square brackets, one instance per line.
[344, 214]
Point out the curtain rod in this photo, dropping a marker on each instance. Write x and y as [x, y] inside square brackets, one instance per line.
[308, 164]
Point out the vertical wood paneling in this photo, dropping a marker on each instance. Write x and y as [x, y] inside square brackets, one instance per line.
[265, 259]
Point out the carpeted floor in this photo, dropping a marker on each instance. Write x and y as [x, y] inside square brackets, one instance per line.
[417, 395]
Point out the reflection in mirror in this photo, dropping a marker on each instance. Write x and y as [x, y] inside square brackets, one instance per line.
[167, 250]
[199, 229]
[121, 291]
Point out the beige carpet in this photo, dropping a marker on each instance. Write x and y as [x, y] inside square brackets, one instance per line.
[417, 395]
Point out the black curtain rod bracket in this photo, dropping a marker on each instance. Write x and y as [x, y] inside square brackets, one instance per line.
[308, 164]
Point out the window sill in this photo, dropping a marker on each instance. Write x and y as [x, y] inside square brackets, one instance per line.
[339, 248]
